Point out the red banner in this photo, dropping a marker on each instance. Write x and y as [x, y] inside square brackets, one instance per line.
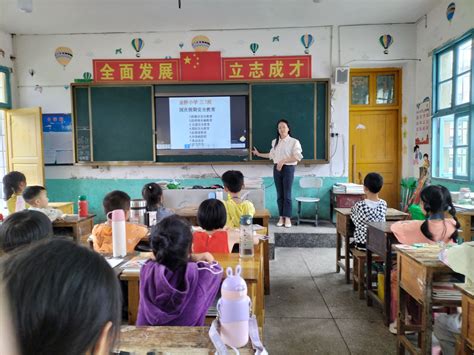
[135, 70]
[200, 66]
[267, 68]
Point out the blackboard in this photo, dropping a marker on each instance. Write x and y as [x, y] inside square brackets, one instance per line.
[116, 123]
[303, 105]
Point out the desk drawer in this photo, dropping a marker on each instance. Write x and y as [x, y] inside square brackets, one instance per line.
[413, 277]
[468, 320]
[344, 224]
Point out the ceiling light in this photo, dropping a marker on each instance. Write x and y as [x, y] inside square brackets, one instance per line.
[25, 5]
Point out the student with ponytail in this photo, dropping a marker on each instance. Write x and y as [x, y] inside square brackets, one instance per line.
[177, 287]
[440, 224]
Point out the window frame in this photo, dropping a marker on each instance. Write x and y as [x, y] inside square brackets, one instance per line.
[465, 109]
[8, 104]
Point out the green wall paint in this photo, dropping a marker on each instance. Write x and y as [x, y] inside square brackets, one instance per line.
[95, 189]
[452, 185]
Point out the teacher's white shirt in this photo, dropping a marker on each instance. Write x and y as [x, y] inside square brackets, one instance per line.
[286, 148]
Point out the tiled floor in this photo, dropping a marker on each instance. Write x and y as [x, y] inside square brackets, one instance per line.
[312, 311]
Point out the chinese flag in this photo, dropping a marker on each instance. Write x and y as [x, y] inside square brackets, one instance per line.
[201, 66]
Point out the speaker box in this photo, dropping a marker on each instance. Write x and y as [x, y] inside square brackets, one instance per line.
[342, 75]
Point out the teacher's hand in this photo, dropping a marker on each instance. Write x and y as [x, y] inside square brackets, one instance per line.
[255, 152]
[280, 166]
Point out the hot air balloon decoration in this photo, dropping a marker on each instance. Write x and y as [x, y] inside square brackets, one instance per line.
[307, 40]
[386, 41]
[254, 47]
[200, 43]
[138, 44]
[450, 11]
[63, 55]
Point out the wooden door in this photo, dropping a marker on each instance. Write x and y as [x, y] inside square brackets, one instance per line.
[24, 133]
[374, 129]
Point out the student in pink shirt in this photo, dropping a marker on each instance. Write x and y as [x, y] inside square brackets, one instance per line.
[440, 225]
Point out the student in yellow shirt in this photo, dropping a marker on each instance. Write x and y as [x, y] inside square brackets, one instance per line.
[13, 185]
[233, 181]
[102, 233]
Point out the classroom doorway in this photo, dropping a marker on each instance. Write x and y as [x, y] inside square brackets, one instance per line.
[374, 128]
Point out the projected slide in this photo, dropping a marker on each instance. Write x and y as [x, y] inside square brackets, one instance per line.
[200, 122]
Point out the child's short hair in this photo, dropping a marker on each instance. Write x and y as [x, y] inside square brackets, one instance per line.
[425, 155]
[152, 194]
[11, 183]
[116, 200]
[212, 214]
[233, 180]
[24, 227]
[373, 182]
[171, 241]
[32, 192]
[42, 280]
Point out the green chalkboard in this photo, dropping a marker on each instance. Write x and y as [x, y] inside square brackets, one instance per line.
[303, 105]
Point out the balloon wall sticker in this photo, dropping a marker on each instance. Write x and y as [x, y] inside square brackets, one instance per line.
[276, 39]
[307, 40]
[31, 72]
[450, 11]
[63, 55]
[138, 44]
[254, 47]
[118, 51]
[181, 44]
[2, 53]
[386, 41]
[200, 43]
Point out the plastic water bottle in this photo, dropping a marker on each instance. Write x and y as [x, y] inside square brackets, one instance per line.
[20, 204]
[83, 206]
[246, 236]
[119, 240]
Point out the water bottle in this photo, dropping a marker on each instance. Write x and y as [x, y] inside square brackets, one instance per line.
[119, 240]
[20, 203]
[137, 211]
[246, 236]
[83, 206]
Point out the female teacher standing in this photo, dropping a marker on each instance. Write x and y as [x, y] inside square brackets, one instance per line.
[285, 153]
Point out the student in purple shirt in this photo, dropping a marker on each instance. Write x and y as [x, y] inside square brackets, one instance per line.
[177, 287]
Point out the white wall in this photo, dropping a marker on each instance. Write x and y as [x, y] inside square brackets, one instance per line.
[432, 33]
[358, 43]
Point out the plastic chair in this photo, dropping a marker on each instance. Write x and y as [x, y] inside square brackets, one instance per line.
[309, 183]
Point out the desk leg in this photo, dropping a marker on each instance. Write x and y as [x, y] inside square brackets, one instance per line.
[368, 275]
[266, 267]
[402, 304]
[133, 298]
[347, 259]
[427, 319]
[338, 251]
[387, 288]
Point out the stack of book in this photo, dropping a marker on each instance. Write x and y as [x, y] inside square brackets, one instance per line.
[347, 188]
[445, 291]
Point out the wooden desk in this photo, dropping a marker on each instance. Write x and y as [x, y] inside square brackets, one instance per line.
[466, 220]
[252, 272]
[345, 228]
[467, 329]
[379, 241]
[260, 217]
[80, 228]
[342, 200]
[66, 207]
[169, 340]
[416, 272]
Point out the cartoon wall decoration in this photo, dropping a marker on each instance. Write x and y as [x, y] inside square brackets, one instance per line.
[86, 78]
[307, 41]
[63, 55]
[254, 47]
[2, 53]
[276, 39]
[417, 156]
[450, 11]
[386, 41]
[118, 51]
[200, 43]
[181, 44]
[31, 72]
[138, 44]
[423, 122]
[425, 166]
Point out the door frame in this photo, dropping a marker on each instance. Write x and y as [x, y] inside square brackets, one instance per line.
[372, 106]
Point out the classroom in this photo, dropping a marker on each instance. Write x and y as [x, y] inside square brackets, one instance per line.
[321, 149]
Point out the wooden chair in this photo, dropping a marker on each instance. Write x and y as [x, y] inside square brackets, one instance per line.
[358, 270]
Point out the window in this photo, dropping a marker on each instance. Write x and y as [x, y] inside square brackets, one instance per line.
[3, 158]
[453, 113]
[5, 94]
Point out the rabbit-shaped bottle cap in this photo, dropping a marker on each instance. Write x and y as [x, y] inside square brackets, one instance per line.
[234, 285]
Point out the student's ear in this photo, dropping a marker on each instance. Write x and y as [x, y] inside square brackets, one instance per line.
[102, 346]
[127, 215]
[226, 189]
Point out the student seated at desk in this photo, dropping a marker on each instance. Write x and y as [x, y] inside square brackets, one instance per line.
[233, 181]
[371, 209]
[102, 233]
[177, 287]
[22, 228]
[13, 185]
[436, 202]
[153, 195]
[64, 299]
[37, 197]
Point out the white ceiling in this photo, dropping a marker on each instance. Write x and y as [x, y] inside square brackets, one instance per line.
[98, 16]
